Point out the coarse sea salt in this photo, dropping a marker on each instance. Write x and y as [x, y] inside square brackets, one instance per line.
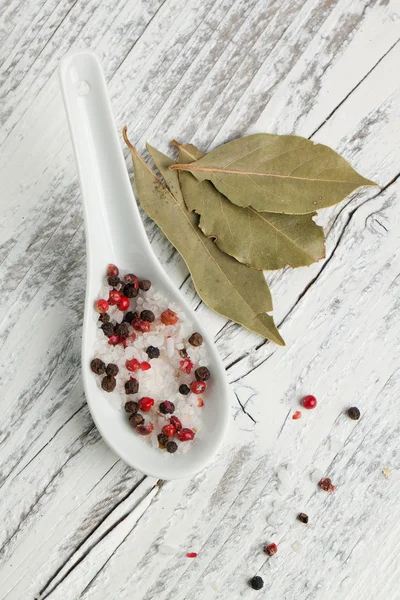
[316, 475]
[160, 382]
[297, 546]
[274, 519]
[167, 550]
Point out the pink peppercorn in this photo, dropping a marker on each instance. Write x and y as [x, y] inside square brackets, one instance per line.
[114, 297]
[146, 403]
[309, 402]
[112, 270]
[101, 306]
[132, 365]
[186, 365]
[168, 317]
[176, 422]
[271, 549]
[198, 387]
[185, 435]
[124, 303]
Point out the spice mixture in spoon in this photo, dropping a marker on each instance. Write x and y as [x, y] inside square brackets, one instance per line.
[150, 360]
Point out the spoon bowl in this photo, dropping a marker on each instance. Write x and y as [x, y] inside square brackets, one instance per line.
[115, 234]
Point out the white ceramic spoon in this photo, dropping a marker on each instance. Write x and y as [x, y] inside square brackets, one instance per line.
[115, 234]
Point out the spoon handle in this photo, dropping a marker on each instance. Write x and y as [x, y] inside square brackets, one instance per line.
[112, 219]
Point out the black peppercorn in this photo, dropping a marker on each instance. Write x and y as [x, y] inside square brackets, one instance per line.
[303, 518]
[202, 374]
[184, 389]
[104, 318]
[256, 582]
[195, 339]
[108, 383]
[147, 315]
[171, 447]
[128, 318]
[108, 329]
[162, 439]
[136, 419]
[97, 366]
[152, 352]
[130, 291]
[145, 285]
[167, 407]
[122, 329]
[354, 413]
[112, 369]
[113, 280]
[131, 278]
[132, 386]
[131, 406]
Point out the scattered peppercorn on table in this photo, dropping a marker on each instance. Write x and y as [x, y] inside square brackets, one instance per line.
[303, 500]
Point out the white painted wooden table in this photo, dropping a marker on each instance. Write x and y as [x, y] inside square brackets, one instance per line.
[76, 521]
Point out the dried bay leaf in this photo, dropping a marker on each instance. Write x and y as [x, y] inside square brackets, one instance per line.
[163, 163]
[225, 285]
[261, 240]
[282, 174]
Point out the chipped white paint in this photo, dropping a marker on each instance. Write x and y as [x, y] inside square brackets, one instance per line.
[77, 523]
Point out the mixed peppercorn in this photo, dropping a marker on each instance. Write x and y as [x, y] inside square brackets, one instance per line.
[308, 402]
[257, 582]
[303, 518]
[354, 413]
[132, 323]
[173, 428]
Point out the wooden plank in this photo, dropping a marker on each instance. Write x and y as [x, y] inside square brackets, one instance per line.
[360, 132]
[228, 510]
[217, 570]
[82, 484]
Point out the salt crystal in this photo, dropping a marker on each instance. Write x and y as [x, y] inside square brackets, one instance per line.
[278, 504]
[139, 343]
[297, 546]
[284, 477]
[217, 588]
[129, 352]
[170, 346]
[335, 444]
[282, 489]
[273, 519]
[316, 475]
[167, 550]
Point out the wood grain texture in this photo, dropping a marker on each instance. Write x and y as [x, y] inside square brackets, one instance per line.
[78, 523]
